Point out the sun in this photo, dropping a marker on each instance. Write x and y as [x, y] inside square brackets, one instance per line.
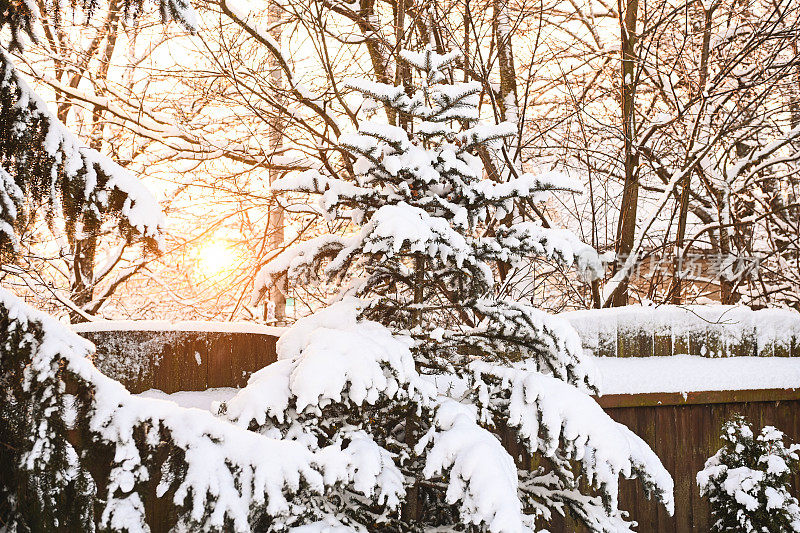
[214, 258]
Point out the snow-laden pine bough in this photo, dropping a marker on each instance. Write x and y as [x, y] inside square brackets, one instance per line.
[419, 364]
[80, 453]
[43, 165]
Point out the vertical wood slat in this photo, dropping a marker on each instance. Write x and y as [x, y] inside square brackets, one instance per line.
[662, 343]
[647, 512]
[628, 488]
[680, 342]
[183, 365]
[627, 345]
[682, 474]
[746, 346]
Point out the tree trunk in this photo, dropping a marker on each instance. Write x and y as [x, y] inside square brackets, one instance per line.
[84, 250]
[675, 290]
[501, 26]
[84, 246]
[626, 227]
[277, 297]
[794, 90]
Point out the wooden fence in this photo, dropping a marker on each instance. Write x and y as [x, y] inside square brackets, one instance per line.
[683, 430]
[181, 357]
[684, 433]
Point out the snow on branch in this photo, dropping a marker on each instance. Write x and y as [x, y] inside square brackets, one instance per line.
[527, 185]
[220, 475]
[334, 191]
[484, 133]
[42, 155]
[554, 418]
[335, 377]
[748, 481]
[11, 196]
[21, 17]
[362, 360]
[430, 62]
[401, 227]
[302, 262]
[548, 343]
[483, 478]
[382, 92]
[523, 240]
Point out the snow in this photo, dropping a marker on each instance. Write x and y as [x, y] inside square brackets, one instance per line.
[182, 11]
[748, 483]
[394, 227]
[73, 160]
[205, 399]
[364, 364]
[329, 525]
[483, 476]
[528, 326]
[10, 196]
[370, 467]
[362, 361]
[486, 132]
[693, 373]
[428, 60]
[298, 261]
[379, 91]
[515, 244]
[163, 325]
[552, 417]
[312, 181]
[385, 132]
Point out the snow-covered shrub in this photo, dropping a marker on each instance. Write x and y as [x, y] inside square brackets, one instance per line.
[421, 366]
[79, 453]
[747, 481]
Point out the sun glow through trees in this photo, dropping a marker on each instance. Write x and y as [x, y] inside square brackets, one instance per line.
[215, 259]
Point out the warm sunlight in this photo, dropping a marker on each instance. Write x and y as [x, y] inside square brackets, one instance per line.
[214, 258]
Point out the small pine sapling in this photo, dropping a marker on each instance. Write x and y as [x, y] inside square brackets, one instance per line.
[747, 481]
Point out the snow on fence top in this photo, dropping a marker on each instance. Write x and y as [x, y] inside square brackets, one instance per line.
[163, 325]
[710, 331]
[691, 373]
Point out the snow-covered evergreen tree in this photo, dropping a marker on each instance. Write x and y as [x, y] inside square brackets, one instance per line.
[419, 365]
[78, 452]
[747, 481]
